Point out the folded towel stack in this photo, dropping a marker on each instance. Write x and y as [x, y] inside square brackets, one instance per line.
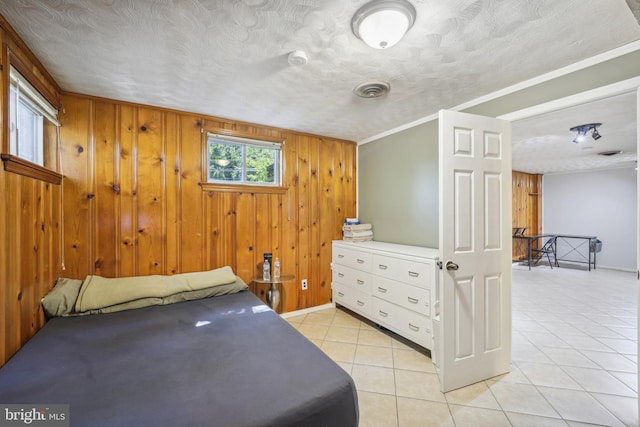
[357, 232]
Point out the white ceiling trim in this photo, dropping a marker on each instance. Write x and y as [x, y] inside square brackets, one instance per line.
[580, 65]
[614, 89]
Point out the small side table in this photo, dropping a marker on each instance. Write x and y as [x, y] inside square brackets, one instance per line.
[273, 294]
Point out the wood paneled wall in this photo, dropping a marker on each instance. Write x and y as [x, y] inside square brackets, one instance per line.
[30, 213]
[526, 206]
[134, 203]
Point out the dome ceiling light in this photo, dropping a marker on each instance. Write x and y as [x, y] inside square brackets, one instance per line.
[383, 23]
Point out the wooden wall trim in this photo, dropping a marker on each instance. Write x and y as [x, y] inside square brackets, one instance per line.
[26, 70]
[239, 188]
[26, 168]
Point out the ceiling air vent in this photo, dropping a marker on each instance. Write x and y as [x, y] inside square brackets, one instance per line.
[609, 153]
[372, 89]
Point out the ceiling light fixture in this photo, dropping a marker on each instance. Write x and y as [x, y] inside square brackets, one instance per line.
[383, 23]
[582, 130]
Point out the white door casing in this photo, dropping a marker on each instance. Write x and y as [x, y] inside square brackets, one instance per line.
[474, 313]
[638, 218]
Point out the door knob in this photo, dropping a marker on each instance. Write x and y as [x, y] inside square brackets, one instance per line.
[452, 266]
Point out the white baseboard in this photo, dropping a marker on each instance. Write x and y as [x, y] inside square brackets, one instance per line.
[306, 310]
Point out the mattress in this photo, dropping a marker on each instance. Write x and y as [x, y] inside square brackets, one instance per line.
[223, 361]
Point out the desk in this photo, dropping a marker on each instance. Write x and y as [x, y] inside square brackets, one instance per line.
[273, 294]
[520, 239]
[568, 247]
[571, 248]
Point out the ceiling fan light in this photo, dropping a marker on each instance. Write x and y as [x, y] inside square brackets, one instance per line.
[382, 23]
[596, 135]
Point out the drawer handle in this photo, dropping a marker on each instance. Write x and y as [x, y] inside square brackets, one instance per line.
[382, 290]
[382, 313]
[360, 282]
[414, 327]
[413, 274]
[360, 261]
[341, 294]
[360, 303]
[340, 256]
[412, 300]
[340, 275]
[382, 267]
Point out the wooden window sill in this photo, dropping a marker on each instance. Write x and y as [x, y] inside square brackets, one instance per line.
[31, 170]
[240, 188]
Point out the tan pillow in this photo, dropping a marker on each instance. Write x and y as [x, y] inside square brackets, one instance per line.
[61, 300]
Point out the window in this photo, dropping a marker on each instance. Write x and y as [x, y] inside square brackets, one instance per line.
[27, 112]
[234, 160]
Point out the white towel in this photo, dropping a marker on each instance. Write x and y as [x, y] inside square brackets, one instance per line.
[358, 233]
[356, 227]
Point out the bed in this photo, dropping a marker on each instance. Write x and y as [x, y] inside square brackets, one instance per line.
[226, 360]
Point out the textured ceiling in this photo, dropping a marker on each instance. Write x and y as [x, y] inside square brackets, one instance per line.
[229, 58]
[543, 144]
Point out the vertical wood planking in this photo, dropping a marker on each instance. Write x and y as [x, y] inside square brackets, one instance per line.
[316, 207]
[526, 195]
[192, 244]
[5, 249]
[245, 236]
[13, 284]
[171, 207]
[27, 275]
[165, 223]
[304, 209]
[76, 121]
[329, 207]
[126, 153]
[150, 192]
[29, 221]
[106, 233]
[289, 222]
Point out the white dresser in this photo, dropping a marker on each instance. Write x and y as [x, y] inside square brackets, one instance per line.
[390, 284]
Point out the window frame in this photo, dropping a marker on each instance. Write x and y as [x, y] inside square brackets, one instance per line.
[12, 163]
[245, 141]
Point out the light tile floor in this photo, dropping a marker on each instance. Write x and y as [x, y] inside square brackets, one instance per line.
[574, 359]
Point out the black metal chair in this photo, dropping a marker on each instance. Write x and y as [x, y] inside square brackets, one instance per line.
[548, 249]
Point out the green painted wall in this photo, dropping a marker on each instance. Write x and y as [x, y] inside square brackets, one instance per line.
[398, 174]
[398, 186]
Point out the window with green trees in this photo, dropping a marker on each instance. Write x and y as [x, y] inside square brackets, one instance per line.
[242, 161]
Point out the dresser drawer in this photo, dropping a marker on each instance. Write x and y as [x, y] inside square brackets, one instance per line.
[351, 298]
[408, 296]
[409, 324]
[357, 279]
[407, 271]
[352, 258]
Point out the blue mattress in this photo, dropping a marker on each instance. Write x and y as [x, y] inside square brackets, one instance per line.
[222, 361]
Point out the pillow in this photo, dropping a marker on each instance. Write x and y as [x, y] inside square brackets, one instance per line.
[99, 292]
[61, 300]
[230, 288]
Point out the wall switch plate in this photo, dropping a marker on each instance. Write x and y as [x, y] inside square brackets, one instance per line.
[304, 284]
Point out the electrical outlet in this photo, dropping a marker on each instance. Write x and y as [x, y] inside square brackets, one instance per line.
[304, 284]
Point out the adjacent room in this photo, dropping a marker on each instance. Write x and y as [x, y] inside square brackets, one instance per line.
[319, 213]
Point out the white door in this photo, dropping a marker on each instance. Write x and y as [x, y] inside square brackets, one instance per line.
[475, 249]
[638, 220]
